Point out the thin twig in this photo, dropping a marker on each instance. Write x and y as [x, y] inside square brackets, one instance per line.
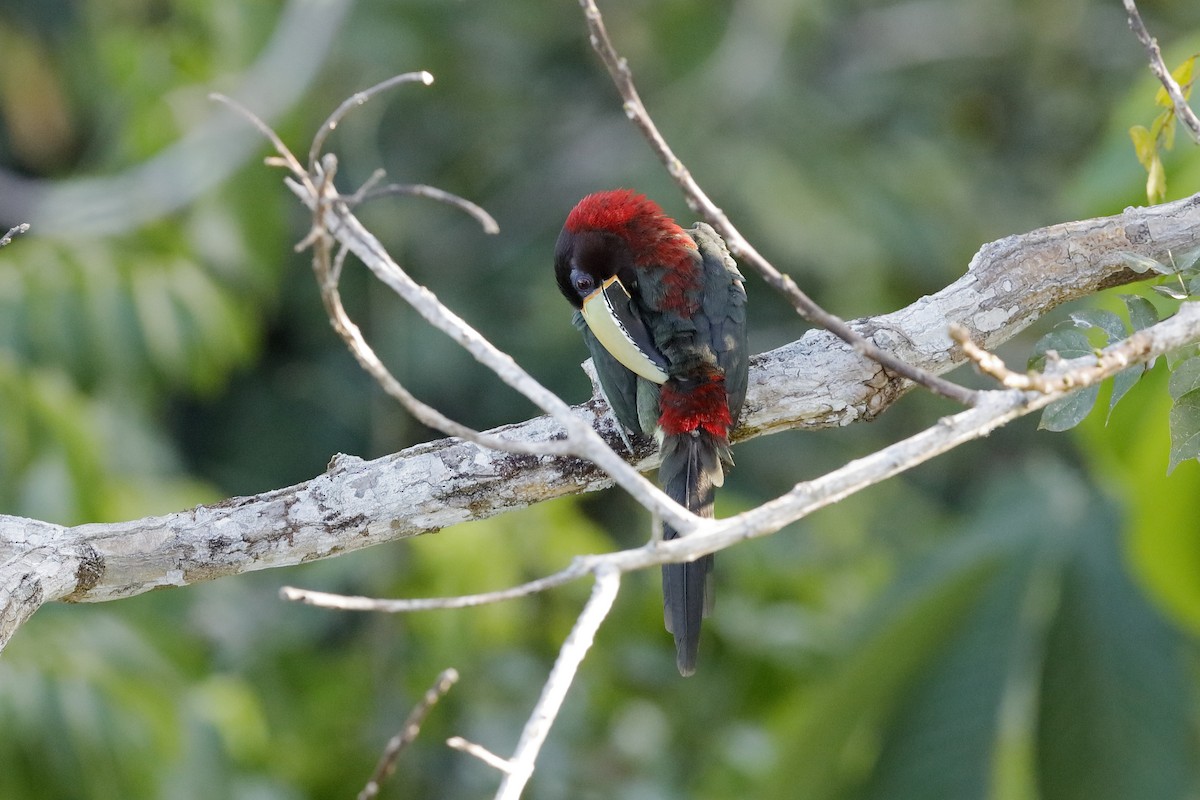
[289, 160]
[355, 100]
[16, 230]
[412, 727]
[577, 569]
[328, 271]
[604, 594]
[480, 752]
[319, 187]
[485, 220]
[1055, 379]
[622, 76]
[1183, 111]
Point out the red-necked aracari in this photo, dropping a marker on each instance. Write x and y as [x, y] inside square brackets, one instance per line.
[663, 313]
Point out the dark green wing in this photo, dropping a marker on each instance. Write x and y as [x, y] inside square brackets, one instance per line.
[725, 313]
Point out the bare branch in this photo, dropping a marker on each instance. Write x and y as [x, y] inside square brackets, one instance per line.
[1183, 111]
[604, 594]
[412, 727]
[332, 219]
[328, 273]
[618, 69]
[486, 220]
[1054, 380]
[579, 567]
[480, 752]
[287, 160]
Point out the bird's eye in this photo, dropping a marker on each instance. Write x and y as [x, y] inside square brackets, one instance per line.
[583, 283]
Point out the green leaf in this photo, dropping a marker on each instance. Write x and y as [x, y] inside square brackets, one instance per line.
[1113, 721]
[1058, 682]
[908, 627]
[1123, 381]
[1139, 263]
[1185, 377]
[1064, 414]
[1185, 259]
[1173, 290]
[1068, 412]
[1144, 145]
[1168, 128]
[1103, 319]
[1067, 342]
[1156, 181]
[1185, 73]
[1185, 429]
[1142, 313]
[1177, 357]
[947, 740]
[1183, 76]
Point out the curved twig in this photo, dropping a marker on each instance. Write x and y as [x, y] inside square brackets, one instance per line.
[353, 101]
[485, 220]
[577, 569]
[412, 727]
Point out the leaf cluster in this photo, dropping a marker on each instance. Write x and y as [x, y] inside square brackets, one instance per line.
[1179, 280]
[1150, 143]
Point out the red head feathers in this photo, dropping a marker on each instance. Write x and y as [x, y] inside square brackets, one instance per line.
[655, 242]
[650, 233]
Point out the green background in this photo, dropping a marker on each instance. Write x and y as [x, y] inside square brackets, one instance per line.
[1017, 619]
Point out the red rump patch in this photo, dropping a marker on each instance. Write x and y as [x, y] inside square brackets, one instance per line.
[655, 239]
[688, 407]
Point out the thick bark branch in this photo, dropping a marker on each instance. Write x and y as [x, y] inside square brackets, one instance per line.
[814, 382]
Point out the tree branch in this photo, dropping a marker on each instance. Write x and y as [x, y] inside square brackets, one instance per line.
[994, 409]
[816, 381]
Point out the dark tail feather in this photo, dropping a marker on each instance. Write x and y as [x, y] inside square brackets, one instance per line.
[691, 467]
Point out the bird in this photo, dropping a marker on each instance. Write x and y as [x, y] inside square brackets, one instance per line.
[662, 311]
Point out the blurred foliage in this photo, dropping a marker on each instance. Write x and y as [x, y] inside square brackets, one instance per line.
[1017, 619]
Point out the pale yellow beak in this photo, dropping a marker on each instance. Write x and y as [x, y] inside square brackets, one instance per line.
[622, 332]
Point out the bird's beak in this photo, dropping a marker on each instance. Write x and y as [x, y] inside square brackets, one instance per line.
[621, 331]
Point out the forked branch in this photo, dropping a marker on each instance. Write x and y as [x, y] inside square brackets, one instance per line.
[333, 221]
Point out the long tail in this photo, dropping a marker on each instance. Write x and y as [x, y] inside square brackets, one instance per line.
[690, 469]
